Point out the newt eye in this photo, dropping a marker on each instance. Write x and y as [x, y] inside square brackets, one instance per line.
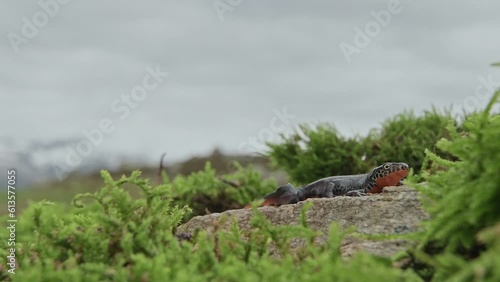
[386, 166]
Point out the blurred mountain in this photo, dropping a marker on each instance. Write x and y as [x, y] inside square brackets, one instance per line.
[36, 166]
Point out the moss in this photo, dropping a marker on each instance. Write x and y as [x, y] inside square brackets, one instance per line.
[109, 236]
[315, 152]
[462, 198]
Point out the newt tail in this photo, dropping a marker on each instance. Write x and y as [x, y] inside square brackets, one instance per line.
[387, 174]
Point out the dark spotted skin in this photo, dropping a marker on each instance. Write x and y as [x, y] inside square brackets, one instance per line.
[387, 174]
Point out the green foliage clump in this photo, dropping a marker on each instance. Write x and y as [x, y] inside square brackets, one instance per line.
[116, 238]
[206, 191]
[406, 136]
[313, 153]
[463, 199]
[95, 241]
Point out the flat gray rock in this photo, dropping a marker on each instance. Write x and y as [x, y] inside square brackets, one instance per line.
[396, 210]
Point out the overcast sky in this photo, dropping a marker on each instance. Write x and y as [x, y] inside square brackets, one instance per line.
[231, 68]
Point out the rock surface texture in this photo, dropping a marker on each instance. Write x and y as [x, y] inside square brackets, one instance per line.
[396, 210]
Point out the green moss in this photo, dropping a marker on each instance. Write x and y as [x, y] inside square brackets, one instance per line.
[206, 191]
[406, 136]
[108, 236]
[462, 198]
[315, 152]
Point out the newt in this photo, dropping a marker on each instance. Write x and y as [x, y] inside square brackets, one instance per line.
[387, 174]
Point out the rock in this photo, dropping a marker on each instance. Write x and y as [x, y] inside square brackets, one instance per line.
[396, 210]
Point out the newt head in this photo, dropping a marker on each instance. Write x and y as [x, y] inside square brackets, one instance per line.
[387, 174]
[283, 195]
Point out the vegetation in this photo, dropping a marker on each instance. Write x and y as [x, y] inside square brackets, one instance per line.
[462, 197]
[406, 136]
[312, 153]
[108, 236]
[114, 235]
[205, 191]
